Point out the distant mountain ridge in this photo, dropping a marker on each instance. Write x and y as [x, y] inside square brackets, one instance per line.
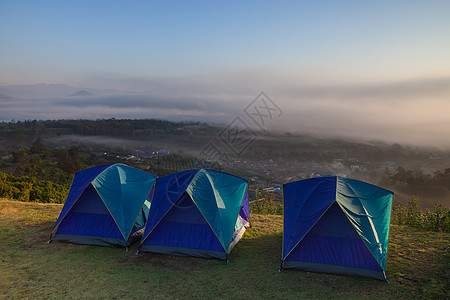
[6, 97]
[82, 93]
[43, 90]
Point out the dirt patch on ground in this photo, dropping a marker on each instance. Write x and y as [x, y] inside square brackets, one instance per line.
[167, 262]
[36, 239]
[41, 235]
[63, 245]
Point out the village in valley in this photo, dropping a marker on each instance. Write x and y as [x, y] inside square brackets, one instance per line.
[161, 147]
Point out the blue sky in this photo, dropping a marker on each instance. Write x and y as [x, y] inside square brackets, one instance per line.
[69, 41]
[306, 54]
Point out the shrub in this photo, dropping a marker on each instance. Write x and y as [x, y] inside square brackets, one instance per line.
[269, 205]
[436, 220]
[28, 189]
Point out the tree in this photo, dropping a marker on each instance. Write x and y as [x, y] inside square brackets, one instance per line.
[21, 157]
[64, 160]
[38, 146]
[69, 161]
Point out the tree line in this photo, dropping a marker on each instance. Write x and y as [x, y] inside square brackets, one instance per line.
[437, 219]
[405, 179]
[29, 189]
[127, 128]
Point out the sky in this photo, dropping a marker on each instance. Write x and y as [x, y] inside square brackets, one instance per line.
[368, 69]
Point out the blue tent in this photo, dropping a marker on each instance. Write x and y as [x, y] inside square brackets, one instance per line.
[106, 205]
[201, 213]
[336, 225]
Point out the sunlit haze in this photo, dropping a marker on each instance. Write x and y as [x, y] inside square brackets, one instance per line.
[370, 70]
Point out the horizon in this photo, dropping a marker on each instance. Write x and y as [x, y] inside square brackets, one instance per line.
[357, 70]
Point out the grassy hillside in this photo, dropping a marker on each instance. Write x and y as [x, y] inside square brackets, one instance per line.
[418, 261]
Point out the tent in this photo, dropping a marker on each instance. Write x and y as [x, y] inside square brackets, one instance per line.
[336, 225]
[106, 205]
[201, 213]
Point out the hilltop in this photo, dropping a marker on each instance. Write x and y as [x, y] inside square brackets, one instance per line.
[417, 263]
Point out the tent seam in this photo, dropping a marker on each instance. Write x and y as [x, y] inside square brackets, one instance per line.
[290, 233]
[371, 225]
[368, 216]
[308, 231]
[218, 211]
[226, 251]
[144, 238]
[237, 217]
[361, 237]
[173, 204]
[70, 208]
[246, 192]
[389, 228]
[109, 212]
[140, 210]
[121, 198]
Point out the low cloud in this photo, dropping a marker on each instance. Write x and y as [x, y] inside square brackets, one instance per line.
[411, 112]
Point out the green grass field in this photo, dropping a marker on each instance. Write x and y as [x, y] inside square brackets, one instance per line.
[418, 262]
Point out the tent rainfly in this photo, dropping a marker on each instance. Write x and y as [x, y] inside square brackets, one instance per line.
[201, 213]
[106, 205]
[336, 225]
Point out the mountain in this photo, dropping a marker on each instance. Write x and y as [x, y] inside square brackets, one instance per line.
[39, 91]
[6, 97]
[82, 93]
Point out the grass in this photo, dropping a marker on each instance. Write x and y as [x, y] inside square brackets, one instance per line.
[418, 261]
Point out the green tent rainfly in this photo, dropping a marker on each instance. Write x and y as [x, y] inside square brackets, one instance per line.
[107, 205]
[200, 213]
[336, 225]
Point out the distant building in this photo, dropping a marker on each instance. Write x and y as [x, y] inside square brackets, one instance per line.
[99, 153]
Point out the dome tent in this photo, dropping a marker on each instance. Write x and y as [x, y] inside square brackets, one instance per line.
[336, 225]
[106, 205]
[201, 213]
